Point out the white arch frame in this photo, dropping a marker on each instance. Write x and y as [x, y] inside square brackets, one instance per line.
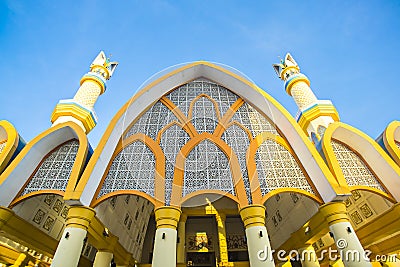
[23, 166]
[264, 103]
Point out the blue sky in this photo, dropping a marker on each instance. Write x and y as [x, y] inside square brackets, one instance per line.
[348, 49]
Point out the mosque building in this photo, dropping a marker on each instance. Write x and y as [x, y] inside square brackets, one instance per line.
[201, 167]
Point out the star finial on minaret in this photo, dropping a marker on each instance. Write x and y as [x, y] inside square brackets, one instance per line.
[286, 68]
[102, 65]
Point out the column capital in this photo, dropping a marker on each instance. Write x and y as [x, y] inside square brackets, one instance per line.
[334, 212]
[183, 218]
[167, 217]
[80, 217]
[253, 215]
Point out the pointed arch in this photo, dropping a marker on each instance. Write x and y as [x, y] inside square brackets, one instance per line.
[247, 131]
[17, 175]
[238, 138]
[385, 170]
[163, 130]
[152, 121]
[197, 98]
[233, 164]
[172, 138]
[206, 118]
[249, 92]
[159, 171]
[258, 197]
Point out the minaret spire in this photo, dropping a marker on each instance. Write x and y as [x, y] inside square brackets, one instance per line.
[80, 109]
[315, 115]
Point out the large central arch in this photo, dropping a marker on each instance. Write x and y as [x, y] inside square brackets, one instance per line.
[313, 164]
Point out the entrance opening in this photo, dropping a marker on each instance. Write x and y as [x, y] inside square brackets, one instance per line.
[201, 241]
[204, 259]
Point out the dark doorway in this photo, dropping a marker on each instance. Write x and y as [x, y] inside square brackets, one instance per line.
[204, 259]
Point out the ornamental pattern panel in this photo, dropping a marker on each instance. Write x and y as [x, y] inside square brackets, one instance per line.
[253, 120]
[302, 95]
[355, 171]
[152, 121]
[277, 168]
[3, 145]
[238, 140]
[172, 140]
[185, 94]
[54, 171]
[207, 167]
[88, 94]
[236, 242]
[132, 169]
[204, 116]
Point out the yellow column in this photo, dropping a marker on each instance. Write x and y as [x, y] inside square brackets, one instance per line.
[164, 252]
[180, 250]
[223, 247]
[258, 245]
[70, 247]
[103, 259]
[350, 249]
[308, 257]
[19, 260]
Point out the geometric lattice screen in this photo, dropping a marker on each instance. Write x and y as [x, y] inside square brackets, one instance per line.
[207, 167]
[238, 140]
[132, 169]
[277, 168]
[54, 171]
[201, 105]
[354, 170]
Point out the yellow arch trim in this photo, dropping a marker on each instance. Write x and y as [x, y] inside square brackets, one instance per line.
[159, 179]
[33, 194]
[223, 125]
[78, 165]
[122, 192]
[333, 163]
[372, 190]
[201, 192]
[291, 190]
[186, 123]
[233, 164]
[247, 131]
[252, 168]
[209, 98]
[389, 141]
[11, 144]
[98, 151]
[172, 123]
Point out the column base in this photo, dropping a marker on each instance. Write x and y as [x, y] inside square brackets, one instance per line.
[226, 264]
